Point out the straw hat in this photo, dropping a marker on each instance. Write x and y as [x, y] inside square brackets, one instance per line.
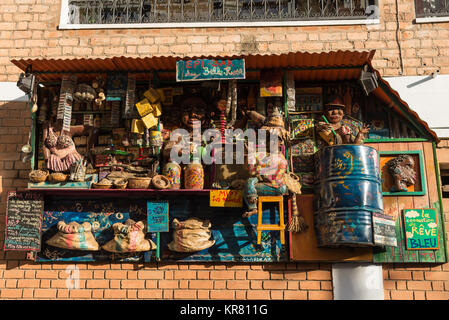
[275, 125]
[274, 120]
[335, 101]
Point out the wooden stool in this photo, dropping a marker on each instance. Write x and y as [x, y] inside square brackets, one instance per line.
[270, 227]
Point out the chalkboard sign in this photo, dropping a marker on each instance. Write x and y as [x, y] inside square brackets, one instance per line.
[23, 221]
[384, 230]
[421, 229]
[157, 216]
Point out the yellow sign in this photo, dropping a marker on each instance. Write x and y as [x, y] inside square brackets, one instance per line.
[226, 198]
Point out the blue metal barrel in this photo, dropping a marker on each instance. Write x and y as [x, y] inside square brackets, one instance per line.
[347, 193]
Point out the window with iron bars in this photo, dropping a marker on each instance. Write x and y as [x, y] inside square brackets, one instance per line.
[431, 8]
[85, 12]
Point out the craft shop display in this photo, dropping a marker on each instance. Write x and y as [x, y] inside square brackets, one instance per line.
[188, 166]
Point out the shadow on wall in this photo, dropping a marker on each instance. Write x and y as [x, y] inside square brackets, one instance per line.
[15, 124]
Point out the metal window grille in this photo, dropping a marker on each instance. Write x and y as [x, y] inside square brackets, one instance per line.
[432, 8]
[182, 11]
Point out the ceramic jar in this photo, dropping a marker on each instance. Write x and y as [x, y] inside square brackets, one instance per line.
[194, 176]
[172, 171]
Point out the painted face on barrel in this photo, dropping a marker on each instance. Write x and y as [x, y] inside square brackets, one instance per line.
[334, 114]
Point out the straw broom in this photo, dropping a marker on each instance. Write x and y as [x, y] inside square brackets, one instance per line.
[297, 222]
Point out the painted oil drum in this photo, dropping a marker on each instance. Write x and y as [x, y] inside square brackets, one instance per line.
[172, 171]
[347, 193]
[194, 176]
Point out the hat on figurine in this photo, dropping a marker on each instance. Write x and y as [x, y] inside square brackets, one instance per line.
[335, 101]
[275, 124]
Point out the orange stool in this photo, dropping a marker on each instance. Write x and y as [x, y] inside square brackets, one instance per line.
[270, 227]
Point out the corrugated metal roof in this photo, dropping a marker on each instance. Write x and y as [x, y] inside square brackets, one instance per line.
[324, 66]
[308, 67]
[392, 99]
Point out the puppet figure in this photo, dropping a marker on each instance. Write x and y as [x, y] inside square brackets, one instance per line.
[267, 168]
[59, 149]
[332, 131]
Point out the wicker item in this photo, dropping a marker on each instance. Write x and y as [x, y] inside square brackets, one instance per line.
[120, 184]
[38, 176]
[103, 184]
[139, 183]
[56, 177]
[292, 182]
[84, 93]
[160, 182]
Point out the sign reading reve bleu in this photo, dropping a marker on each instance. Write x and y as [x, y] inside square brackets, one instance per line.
[421, 229]
[210, 69]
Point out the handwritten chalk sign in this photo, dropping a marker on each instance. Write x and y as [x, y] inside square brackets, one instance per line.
[384, 230]
[157, 213]
[23, 221]
[226, 198]
[210, 69]
[421, 229]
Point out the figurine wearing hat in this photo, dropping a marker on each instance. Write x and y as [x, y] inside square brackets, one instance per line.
[268, 170]
[332, 131]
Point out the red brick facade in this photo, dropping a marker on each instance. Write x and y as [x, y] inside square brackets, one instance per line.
[28, 28]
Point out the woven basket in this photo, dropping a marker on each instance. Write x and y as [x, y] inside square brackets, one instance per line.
[160, 182]
[139, 183]
[56, 177]
[37, 176]
[292, 182]
[101, 186]
[120, 184]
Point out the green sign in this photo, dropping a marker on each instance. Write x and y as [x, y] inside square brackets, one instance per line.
[421, 229]
[210, 69]
[157, 214]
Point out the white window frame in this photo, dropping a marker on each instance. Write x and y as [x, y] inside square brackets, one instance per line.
[65, 25]
[430, 19]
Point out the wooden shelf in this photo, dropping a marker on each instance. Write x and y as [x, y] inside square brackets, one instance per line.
[117, 192]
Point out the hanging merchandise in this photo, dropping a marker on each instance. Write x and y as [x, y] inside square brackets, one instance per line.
[74, 236]
[290, 85]
[271, 83]
[116, 86]
[191, 235]
[43, 110]
[130, 98]
[232, 92]
[66, 101]
[129, 237]
[115, 113]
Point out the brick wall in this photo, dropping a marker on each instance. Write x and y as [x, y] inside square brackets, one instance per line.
[28, 28]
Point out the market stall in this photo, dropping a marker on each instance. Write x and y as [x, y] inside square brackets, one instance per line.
[249, 158]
